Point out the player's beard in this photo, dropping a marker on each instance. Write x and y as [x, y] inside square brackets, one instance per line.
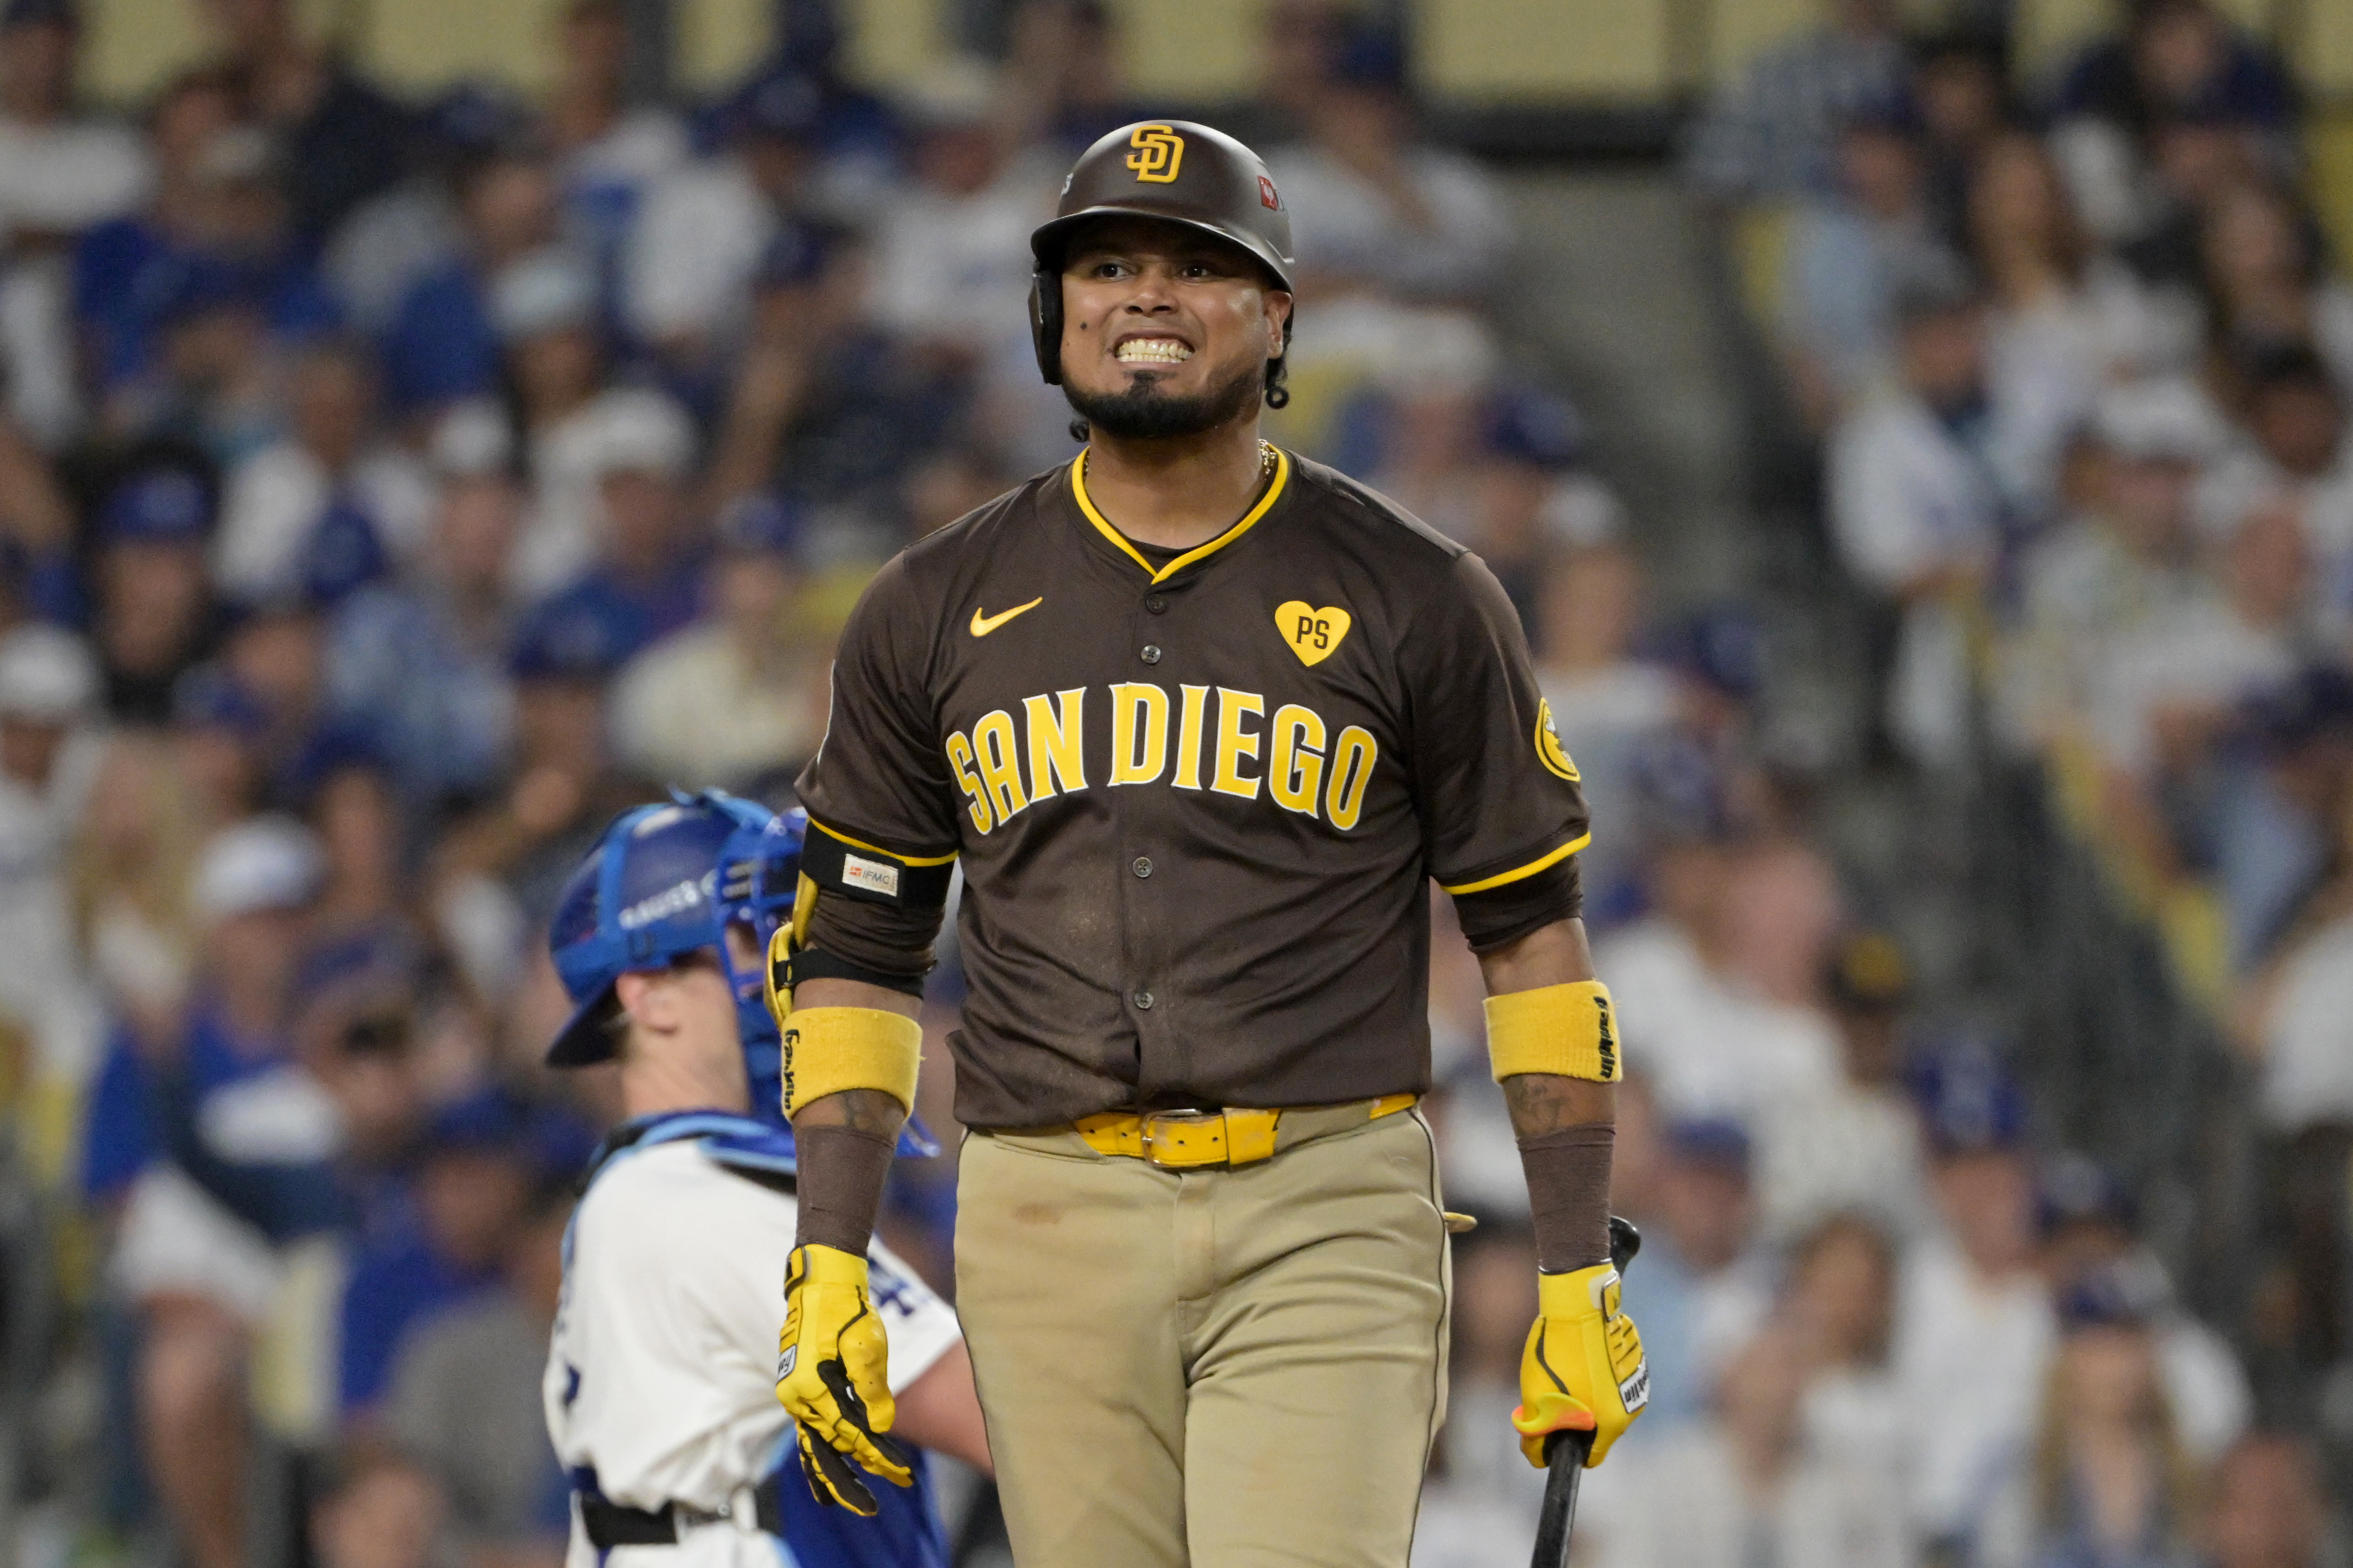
[1144, 412]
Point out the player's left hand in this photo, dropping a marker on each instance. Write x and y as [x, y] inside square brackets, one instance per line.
[1583, 1369]
[832, 1362]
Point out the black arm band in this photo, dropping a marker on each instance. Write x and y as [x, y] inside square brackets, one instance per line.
[874, 876]
[816, 964]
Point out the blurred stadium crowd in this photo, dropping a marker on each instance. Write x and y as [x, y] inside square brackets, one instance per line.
[392, 492]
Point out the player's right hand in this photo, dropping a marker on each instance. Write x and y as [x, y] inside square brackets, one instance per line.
[1583, 1370]
[832, 1362]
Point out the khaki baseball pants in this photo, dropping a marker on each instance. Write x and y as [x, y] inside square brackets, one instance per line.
[1218, 1368]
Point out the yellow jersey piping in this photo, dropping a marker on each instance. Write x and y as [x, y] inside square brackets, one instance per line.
[1249, 519]
[878, 849]
[1530, 869]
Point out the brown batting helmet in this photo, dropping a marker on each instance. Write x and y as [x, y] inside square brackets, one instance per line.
[1179, 172]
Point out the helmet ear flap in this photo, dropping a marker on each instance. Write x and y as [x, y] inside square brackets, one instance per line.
[1046, 323]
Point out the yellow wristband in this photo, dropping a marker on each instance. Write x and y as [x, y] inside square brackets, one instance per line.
[1566, 1030]
[829, 1049]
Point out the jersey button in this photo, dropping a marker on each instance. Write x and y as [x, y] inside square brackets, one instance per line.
[1151, 653]
[1143, 866]
[1143, 1000]
[1156, 603]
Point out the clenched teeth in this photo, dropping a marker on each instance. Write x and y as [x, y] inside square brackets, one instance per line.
[1151, 350]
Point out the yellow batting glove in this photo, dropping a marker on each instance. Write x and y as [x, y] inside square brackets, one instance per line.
[1583, 1370]
[832, 1366]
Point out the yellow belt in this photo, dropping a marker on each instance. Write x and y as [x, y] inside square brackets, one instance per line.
[1183, 1138]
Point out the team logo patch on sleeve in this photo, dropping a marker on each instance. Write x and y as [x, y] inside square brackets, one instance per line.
[1549, 751]
[1314, 635]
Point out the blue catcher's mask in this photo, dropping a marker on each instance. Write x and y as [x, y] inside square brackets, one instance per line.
[646, 895]
[665, 881]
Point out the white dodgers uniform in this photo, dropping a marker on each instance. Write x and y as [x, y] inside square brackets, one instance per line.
[660, 1372]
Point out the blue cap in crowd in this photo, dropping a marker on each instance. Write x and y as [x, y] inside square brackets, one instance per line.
[761, 523]
[162, 506]
[2120, 1294]
[795, 258]
[488, 1120]
[1716, 1141]
[1969, 1102]
[584, 634]
[546, 1140]
[1367, 55]
[782, 105]
[1528, 425]
[209, 698]
[1895, 113]
[1722, 645]
[343, 553]
[2075, 1189]
[2311, 705]
[40, 13]
[476, 119]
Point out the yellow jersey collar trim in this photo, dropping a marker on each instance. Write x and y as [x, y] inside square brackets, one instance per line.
[1249, 520]
[1501, 878]
[878, 849]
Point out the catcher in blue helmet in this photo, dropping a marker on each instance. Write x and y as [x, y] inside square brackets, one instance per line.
[659, 1384]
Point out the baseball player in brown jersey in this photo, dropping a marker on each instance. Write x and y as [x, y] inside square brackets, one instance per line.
[1199, 718]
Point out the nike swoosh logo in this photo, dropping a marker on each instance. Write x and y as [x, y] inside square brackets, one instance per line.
[984, 625]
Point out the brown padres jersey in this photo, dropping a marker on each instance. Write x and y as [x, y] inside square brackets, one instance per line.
[1196, 801]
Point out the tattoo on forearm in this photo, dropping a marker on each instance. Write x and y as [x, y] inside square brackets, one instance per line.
[1547, 1102]
[868, 1110]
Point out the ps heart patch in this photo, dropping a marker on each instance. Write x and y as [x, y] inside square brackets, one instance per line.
[1312, 632]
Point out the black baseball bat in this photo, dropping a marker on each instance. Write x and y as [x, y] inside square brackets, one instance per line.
[1565, 1452]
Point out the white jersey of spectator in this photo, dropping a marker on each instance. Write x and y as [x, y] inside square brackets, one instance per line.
[1685, 1504]
[642, 146]
[1907, 502]
[1605, 717]
[1969, 1356]
[1845, 267]
[39, 356]
[1347, 226]
[2045, 368]
[1769, 134]
[661, 1371]
[64, 176]
[1845, 1148]
[567, 463]
[1857, 1417]
[47, 677]
[275, 498]
[954, 269]
[1710, 1049]
[2307, 1033]
[2205, 1387]
[687, 270]
[693, 711]
[2109, 186]
[2246, 479]
[2084, 591]
[2208, 657]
